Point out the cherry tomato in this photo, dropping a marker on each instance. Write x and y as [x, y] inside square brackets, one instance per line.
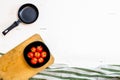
[30, 55]
[34, 60]
[40, 60]
[39, 48]
[44, 54]
[37, 54]
[33, 49]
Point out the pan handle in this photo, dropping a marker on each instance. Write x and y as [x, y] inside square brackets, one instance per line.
[16, 23]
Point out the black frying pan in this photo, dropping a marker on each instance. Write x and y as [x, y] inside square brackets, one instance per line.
[28, 13]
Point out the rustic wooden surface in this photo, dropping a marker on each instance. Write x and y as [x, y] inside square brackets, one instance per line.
[13, 65]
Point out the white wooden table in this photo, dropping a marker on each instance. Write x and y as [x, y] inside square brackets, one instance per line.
[78, 33]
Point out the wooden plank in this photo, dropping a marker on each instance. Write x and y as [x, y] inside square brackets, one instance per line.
[13, 65]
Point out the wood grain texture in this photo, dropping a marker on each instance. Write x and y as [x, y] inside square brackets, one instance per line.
[13, 65]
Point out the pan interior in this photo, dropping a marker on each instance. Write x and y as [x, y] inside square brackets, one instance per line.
[28, 14]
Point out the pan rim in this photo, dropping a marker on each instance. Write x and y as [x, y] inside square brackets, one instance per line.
[28, 5]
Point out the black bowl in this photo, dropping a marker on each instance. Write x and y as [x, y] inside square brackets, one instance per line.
[28, 49]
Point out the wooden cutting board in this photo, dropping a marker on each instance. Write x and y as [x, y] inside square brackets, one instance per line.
[13, 65]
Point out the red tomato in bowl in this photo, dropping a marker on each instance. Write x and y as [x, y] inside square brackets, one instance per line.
[37, 55]
[40, 60]
[39, 48]
[30, 55]
[33, 49]
[44, 54]
[34, 60]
